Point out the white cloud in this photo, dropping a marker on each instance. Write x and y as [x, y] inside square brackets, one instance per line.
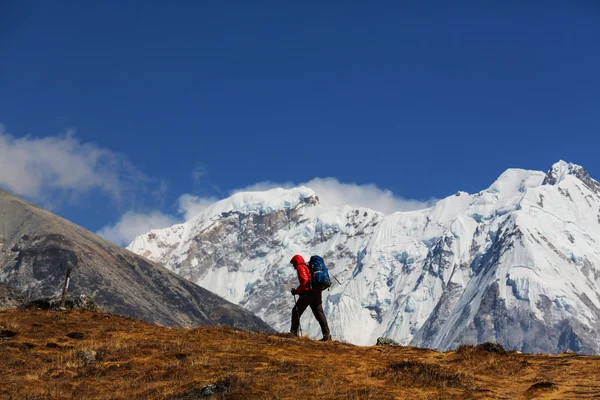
[134, 224]
[263, 186]
[190, 205]
[333, 193]
[39, 167]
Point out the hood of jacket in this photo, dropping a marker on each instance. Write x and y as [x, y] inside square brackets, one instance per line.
[297, 260]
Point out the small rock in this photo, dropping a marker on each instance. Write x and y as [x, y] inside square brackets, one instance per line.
[76, 335]
[87, 357]
[491, 348]
[205, 391]
[382, 341]
[208, 390]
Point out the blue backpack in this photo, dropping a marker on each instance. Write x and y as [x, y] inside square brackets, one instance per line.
[319, 274]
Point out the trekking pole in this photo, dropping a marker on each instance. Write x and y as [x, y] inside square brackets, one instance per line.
[298, 313]
[336, 280]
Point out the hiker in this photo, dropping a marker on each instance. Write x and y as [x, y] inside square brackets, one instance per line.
[307, 297]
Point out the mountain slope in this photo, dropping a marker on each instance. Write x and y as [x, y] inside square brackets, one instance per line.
[37, 246]
[517, 263]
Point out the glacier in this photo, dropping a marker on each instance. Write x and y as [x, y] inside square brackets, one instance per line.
[517, 263]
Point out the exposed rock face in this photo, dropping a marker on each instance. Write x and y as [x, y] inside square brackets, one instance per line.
[9, 297]
[517, 264]
[37, 246]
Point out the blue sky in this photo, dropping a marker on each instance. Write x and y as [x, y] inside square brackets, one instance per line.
[120, 108]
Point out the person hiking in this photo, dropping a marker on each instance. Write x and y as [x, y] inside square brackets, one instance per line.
[307, 297]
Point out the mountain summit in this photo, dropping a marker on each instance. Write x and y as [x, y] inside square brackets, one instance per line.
[562, 169]
[517, 263]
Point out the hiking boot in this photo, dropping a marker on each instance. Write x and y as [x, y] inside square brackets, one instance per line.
[326, 338]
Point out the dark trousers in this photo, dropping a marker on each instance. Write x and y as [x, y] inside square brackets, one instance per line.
[313, 299]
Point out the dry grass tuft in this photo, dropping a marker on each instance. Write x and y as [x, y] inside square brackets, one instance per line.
[543, 385]
[489, 358]
[10, 324]
[287, 366]
[366, 393]
[417, 373]
[7, 334]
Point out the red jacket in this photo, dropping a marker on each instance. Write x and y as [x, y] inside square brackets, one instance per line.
[303, 273]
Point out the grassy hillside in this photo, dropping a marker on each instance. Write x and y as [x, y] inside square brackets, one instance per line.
[83, 355]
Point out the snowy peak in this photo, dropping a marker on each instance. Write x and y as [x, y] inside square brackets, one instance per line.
[159, 243]
[514, 181]
[265, 202]
[562, 169]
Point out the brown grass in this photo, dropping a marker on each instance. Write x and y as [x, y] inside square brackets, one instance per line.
[121, 358]
[426, 375]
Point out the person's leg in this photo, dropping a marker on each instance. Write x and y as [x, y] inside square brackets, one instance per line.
[299, 307]
[317, 308]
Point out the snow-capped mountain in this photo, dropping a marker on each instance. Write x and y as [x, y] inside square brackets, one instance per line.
[517, 263]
